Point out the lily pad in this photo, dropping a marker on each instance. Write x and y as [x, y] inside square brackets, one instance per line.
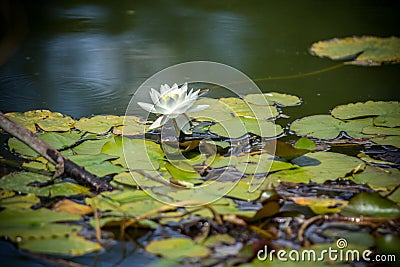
[132, 125]
[24, 182]
[238, 127]
[273, 98]
[327, 127]
[365, 50]
[321, 205]
[97, 164]
[45, 119]
[381, 130]
[378, 178]
[134, 153]
[387, 141]
[98, 124]
[19, 201]
[216, 111]
[319, 167]
[367, 109]
[241, 108]
[371, 204]
[176, 248]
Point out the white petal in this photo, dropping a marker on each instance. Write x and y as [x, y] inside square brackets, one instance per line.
[197, 108]
[164, 89]
[159, 122]
[146, 106]
[184, 87]
[155, 95]
[174, 87]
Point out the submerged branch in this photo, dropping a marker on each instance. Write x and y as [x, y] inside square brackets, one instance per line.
[63, 165]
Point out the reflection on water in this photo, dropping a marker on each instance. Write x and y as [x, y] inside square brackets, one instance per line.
[86, 57]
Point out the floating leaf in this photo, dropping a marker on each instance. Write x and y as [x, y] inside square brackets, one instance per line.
[321, 205]
[381, 130]
[97, 164]
[365, 50]
[91, 147]
[387, 141]
[282, 100]
[71, 245]
[98, 124]
[378, 178]
[138, 179]
[45, 119]
[241, 108]
[182, 171]
[305, 143]
[19, 201]
[218, 240]
[132, 125]
[24, 182]
[237, 127]
[284, 150]
[388, 120]
[327, 127]
[216, 111]
[319, 167]
[21, 148]
[366, 109]
[72, 207]
[175, 248]
[371, 204]
[134, 153]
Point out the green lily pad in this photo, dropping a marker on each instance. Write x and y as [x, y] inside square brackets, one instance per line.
[176, 248]
[138, 179]
[241, 108]
[91, 147]
[388, 120]
[387, 141]
[182, 171]
[327, 127]
[366, 109]
[134, 153]
[378, 178]
[45, 119]
[365, 50]
[282, 100]
[371, 204]
[19, 201]
[216, 110]
[97, 164]
[381, 130]
[22, 182]
[132, 125]
[56, 140]
[305, 143]
[69, 245]
[238, 127]
[319, 167]
[98, 124]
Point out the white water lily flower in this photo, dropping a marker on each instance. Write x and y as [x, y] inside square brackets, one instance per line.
[173, 102]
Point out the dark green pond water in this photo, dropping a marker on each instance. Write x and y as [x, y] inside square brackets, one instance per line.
[88, 57]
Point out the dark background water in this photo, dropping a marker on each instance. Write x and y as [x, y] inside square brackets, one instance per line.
[88, 57]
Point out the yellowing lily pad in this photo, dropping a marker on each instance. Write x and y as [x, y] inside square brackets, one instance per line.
[321, 205]
[177, 248]
[241, 108]
[273, 98]
[365, 50]
[327, 127]
[378, 178]
[45, 119]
